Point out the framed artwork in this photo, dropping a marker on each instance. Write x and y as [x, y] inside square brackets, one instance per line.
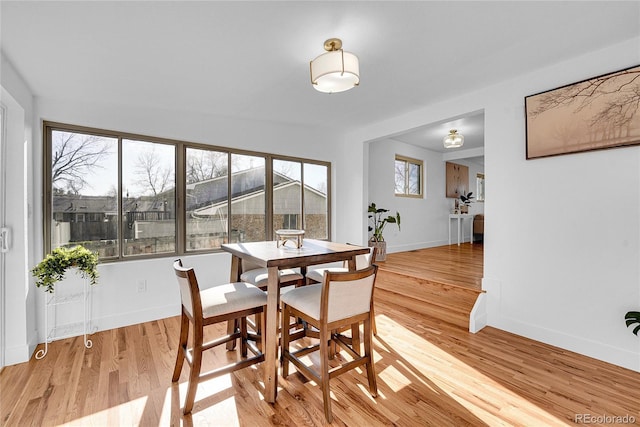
[457, 180]
[602, 112]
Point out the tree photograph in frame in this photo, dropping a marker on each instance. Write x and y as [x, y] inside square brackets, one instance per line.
[602, 112]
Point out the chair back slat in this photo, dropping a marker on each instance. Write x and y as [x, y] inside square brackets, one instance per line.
[347, 294]
[365, 260]
[189, 290]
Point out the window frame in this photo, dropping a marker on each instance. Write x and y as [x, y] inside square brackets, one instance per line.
[407, 162]
[180, 190]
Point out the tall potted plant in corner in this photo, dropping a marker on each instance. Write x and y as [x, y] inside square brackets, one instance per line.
[378, 222]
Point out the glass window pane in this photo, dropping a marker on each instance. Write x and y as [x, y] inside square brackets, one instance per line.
[84, 181]
[148, 188]
[400, 179]
[414, 178]
[316, 215]
[248, 218]
[287, 194]
[207, 196]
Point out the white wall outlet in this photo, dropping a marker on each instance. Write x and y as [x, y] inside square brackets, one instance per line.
[142, 286]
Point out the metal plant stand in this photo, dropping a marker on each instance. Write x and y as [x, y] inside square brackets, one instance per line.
[66, 330]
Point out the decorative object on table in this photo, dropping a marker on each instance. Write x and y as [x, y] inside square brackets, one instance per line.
[379, 222]
[51, 270]
[335, 70]
[53, 267]
[453, 139]
[631, 318]
[285, 235]
[465, 202]
[593, 114]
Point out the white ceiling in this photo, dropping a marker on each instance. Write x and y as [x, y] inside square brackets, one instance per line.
[251, 59]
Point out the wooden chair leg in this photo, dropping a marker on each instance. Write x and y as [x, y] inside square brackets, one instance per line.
[368, 353]
[374, 328]
[355, 337]
[182, 345]
[243, 336]
[324, 375]
[194, 375]
[232, 325]
[284, 351]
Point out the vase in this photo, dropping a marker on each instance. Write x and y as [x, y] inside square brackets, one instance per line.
[381, 253]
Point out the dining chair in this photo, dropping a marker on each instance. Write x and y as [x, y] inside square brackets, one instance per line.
[316, 275]
[259, 277]
[220, 303]
[343, 299]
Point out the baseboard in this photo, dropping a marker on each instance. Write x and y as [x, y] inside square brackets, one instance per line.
[610, 354]
[415, 246]
[478, 315]
[133, 318]
[18, 354]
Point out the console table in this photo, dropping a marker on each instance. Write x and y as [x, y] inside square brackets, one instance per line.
[460, 218]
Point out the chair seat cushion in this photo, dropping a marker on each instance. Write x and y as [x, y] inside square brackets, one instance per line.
[306, 299]
[231, 297]
[260, 276]
[318, 273]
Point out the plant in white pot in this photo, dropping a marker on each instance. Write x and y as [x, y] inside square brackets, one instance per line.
[378, 220]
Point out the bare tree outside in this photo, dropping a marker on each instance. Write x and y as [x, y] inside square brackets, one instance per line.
[75, 158]
[153, 176]
[203, 165]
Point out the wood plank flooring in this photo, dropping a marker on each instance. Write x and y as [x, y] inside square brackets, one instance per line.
[450, 264]
[442, 282]
[430, 373]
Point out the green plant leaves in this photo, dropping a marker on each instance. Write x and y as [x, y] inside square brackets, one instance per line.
[631, 318]
[53, 267]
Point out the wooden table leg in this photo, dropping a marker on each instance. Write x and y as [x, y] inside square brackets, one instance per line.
[271, 337]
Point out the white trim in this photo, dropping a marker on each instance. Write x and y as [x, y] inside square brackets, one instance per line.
[3, 157]
[478, 315]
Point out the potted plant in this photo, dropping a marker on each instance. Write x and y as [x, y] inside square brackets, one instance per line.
[465, 201]
[54, 266]
[378, 223]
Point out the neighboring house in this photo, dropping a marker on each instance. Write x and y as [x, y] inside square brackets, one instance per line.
[91, 219]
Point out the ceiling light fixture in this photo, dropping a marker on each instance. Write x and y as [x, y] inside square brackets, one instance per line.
[453, 140]
[336, 70]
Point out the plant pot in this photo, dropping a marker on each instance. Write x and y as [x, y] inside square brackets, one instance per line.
[464, 209]
[381, 254]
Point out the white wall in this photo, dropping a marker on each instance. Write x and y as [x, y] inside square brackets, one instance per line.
[423, 220]
[19, 319]
[562, 253]
[115, 300]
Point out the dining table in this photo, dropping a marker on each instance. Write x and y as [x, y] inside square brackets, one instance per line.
[269, 255]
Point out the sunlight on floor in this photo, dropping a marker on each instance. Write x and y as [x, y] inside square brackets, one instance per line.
[213, 397]
[130, 414]
[444, 373]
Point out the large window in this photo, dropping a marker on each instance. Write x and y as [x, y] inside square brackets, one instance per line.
[300, 197]
[129, 196]
[408, 177]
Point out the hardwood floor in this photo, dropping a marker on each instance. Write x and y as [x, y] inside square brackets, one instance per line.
[443, 282]
[450, 264]
[430, 372]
